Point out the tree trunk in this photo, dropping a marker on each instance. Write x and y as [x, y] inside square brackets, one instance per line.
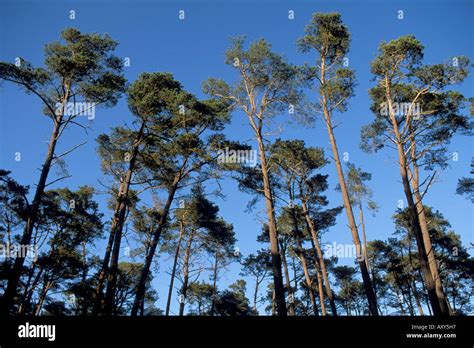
[321, 264]
[7, 301]
[42, 297]
[139, 297]
[184, 288]
[427, 240]
[400, 303]
[417, 298]
[119, 221]
[173, 272]
[369, 291]
[276, 258]
[309, 282]
[364, 238]
[413, 213]
[291, 302]
[298, 237]
[103, 272]
[274, 310]
[255, 294]
[27, 291]
[214, 283]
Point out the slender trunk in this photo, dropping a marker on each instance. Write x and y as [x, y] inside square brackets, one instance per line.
[374, 282]
[427, 240]
[400, 303]
[119, 221]
[424, 293]
[273, 303]
[173, 272]
[309, 282]
[410, 300]
[184, 288]
[364, 238]
[417, 298]
[85, 308]
[276, 258]
[454, 296]
[321, 264]
[300, 252]
[317, 267]
[413, 213]
[7, 301]
[291, 302]
[430, 286]
[255, 294]
[103, 272]
[412, 280]
[42, 297]
[214, 282]
[140, 294]
[321, 292]
[28, 293]
[369, 291]
[295, 273]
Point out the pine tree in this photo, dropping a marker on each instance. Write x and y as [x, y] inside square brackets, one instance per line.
[414, 112]
[81, 66]
[265, 87]
[329, 37]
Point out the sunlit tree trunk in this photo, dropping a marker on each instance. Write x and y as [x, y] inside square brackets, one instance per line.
[276, 258]
[413, 213]
[415, 177]
[345, 194]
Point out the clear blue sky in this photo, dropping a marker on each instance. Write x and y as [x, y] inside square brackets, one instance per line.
[152, 36]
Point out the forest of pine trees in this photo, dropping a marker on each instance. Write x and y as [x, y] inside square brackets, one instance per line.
[164, 170]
